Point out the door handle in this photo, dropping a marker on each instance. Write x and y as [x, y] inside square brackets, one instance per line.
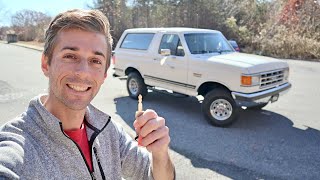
[172, 67]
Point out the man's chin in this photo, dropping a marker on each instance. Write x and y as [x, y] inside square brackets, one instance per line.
[77, 108]
[77, 105]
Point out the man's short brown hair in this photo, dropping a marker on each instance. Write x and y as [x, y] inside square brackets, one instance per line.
[87, 20]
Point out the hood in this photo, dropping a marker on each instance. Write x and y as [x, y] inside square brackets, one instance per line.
[253, 63]
[247, 58]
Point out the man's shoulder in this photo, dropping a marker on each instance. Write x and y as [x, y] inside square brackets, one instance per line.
[14, 125]
[14, 130]
[12, 142]
[19, 123]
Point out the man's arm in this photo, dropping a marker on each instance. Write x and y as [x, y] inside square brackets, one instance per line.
[11, 154]
[162, 167]
[154, 135]
[10, 160]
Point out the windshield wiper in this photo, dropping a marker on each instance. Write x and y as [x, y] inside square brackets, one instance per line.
[204, 52]
[226, 50]
[215, 52]
[207, 52]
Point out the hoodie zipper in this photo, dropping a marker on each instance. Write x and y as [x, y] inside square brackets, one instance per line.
[93, 137]
[99, 164]
[83, 157]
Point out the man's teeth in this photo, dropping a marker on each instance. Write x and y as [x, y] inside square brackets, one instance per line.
[78, 88]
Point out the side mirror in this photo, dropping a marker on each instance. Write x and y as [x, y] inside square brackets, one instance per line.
[180, 51]
[165, 52]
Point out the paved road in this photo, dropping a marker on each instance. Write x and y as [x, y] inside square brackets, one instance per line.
[280, 142]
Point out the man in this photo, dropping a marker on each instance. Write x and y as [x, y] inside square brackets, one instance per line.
[61, 135]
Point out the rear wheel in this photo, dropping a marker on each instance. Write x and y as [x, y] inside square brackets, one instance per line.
[136, 85]
[219, 108]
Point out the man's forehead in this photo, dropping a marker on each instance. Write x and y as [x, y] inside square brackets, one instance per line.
[73, 31]
[69, 38]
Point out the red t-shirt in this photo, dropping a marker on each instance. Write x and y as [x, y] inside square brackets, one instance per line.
[80, 137]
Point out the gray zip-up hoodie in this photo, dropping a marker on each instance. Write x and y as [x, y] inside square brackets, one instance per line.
[34, 146]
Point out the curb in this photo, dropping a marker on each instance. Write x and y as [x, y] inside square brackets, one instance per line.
[37, 48]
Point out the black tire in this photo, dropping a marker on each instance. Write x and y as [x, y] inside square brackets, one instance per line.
[258, 107]
[136, 85]
[227, 112]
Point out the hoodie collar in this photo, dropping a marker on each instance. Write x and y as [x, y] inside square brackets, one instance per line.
[94, 118]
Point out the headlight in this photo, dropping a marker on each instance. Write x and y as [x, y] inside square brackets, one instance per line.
[247, 80]
[286, 73]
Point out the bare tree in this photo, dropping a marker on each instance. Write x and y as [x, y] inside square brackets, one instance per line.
[30, 25]
[261, 26]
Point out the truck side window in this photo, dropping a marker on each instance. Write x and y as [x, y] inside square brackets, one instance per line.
[172, 42]
[139, 41]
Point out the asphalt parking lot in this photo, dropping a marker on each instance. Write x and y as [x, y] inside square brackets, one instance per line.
[280, 142]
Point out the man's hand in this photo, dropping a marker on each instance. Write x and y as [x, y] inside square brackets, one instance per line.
[154, 135]
[153, 132]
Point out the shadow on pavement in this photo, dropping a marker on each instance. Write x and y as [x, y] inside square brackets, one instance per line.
[261, 144]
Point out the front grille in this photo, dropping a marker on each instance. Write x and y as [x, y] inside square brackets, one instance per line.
[271, 78]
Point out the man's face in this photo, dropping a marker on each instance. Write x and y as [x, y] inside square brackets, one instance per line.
[77, 68]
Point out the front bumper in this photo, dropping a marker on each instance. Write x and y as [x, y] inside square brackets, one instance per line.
[117, 72]
[252, 99]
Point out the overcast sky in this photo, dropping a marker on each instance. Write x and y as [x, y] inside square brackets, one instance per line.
[49, 7]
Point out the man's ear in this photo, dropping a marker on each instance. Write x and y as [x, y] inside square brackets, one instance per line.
[45, 65]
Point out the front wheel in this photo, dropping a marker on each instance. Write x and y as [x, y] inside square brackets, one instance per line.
[136, 85]
[219, 108]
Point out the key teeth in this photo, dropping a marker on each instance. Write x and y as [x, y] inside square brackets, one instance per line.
[140, 109]
[140, 102]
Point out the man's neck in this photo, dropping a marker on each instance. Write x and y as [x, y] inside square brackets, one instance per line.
[71, 119]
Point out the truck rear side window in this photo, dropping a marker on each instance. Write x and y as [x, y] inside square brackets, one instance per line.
[140, 41]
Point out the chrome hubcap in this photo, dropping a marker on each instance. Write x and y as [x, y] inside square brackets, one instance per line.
[133, 86]
[221, 109]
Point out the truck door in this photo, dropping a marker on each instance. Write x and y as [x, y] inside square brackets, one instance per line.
[170, 70]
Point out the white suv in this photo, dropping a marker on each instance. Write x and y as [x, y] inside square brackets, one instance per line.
[199, 62]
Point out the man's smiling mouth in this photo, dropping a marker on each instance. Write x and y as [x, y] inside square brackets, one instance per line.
[78, 88]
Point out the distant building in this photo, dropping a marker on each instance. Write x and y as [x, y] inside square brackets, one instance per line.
[11, 36]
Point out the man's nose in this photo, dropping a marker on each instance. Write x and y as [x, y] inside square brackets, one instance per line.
[82, 68]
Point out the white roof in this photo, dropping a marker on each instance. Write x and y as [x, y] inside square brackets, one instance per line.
[171, 29]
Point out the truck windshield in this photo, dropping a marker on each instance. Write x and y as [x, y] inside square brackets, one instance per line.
[203, 43]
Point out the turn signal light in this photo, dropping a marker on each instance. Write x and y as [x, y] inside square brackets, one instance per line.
[246, 80]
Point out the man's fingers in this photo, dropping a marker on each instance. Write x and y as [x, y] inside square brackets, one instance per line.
[136, 125]
[145, 117]
[148, 124]
[159, 144]
[137, 129]
[152, 125]
[155, 136]
[138, 113]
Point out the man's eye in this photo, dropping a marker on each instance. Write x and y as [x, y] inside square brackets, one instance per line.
[69, 56]
[96, 61]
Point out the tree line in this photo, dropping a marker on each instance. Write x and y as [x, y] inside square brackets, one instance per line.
[278, 28]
